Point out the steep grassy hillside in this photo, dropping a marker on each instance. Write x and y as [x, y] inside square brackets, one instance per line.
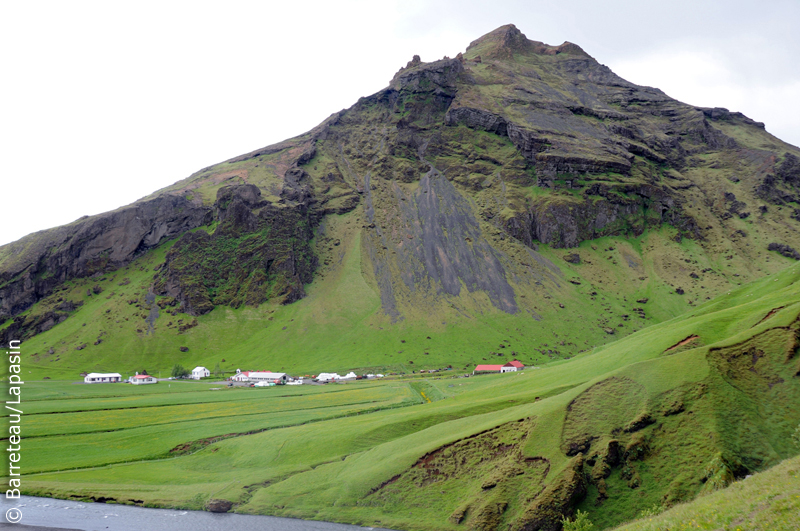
[678, 409]
[769, 501]
[118, 324]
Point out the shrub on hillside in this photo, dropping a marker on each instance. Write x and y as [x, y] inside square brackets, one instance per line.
[580, 523]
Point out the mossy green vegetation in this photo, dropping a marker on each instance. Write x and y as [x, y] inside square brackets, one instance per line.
[767, 501]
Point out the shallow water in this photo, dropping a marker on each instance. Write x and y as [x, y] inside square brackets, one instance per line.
[47, 512]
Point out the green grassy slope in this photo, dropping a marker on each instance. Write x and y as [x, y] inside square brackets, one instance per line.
[340, 325]
[652, 419]
[768, 501]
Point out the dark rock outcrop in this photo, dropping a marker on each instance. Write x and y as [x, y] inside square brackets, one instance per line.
[31, 267]
[219, 506]
[784, 250]
[622, 210]
[783, 186]
[258, 251]
[26, 326]
[441, 248]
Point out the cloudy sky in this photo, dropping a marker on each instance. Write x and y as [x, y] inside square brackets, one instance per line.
[102, 103]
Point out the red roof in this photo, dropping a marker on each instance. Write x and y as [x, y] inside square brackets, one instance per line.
[497, 368]
[142, 376]
[515, 363]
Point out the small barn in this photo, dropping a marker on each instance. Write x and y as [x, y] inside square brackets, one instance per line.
[516, 363]
[508, 367]
[273, 377]
[141, 379]
[102, 377]
[200, 372]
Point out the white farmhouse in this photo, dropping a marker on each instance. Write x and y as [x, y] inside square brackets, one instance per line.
[141, 379]
[200, 372]
[241, 376]
[102, 377]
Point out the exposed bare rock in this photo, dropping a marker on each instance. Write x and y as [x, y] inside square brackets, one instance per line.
[219, 506]
[258, 251]
[33, 266]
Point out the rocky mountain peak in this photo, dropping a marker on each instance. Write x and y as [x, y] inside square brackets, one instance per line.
[507, 40]
[502, 42]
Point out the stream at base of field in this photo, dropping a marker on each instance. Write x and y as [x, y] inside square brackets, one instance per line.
[48, 513]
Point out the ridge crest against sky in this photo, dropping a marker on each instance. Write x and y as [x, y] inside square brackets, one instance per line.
[103, 103]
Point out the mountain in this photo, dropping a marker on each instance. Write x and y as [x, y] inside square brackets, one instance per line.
[517, 201]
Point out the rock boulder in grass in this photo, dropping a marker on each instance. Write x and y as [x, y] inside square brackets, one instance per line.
[784, 250]
[219, 506]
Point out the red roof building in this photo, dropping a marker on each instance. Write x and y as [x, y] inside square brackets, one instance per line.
[488, 368]
[511, 366]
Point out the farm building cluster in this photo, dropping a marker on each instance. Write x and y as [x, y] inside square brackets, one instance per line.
[269, 378]
[255, 378]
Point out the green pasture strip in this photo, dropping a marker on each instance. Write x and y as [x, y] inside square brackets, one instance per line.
[120, 419]
[151, 442]
[64, 452]
[279, 453]
[60, 390]
[225, 394]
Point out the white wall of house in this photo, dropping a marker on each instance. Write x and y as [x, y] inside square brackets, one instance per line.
[101, 377]
[200, 372]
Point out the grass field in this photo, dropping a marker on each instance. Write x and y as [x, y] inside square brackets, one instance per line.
[769, 501]
[675, 410]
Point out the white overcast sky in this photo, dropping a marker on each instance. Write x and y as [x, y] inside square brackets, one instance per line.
[104, 102]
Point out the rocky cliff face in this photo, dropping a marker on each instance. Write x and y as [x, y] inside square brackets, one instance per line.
[32, 267]
[257, 252]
